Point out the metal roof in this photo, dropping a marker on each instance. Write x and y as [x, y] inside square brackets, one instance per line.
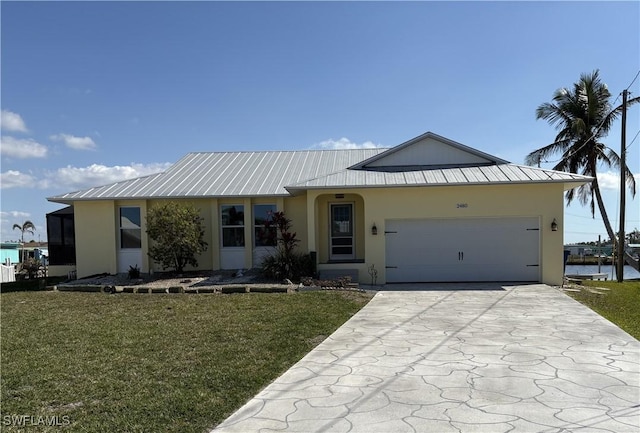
[483, 175]
[227, 174]
[282, 173]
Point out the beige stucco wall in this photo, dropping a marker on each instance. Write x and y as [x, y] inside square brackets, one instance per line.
[380, 204]
[60, 270]
[96, 222]
[96, 237]
[295, 208]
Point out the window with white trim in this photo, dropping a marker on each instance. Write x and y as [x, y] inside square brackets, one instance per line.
[232, 222]
[130, 228]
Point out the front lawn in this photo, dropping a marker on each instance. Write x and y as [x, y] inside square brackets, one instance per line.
[91, 362]
[620, 304]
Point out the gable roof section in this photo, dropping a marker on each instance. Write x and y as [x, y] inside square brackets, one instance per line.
[427, 151]
[227, 174]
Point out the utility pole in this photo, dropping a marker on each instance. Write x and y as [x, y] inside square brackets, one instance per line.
[623, 191]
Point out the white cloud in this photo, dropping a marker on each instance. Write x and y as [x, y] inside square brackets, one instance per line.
[15, 179]
[11, 121]
[14, 214]
[344, 143]
[75, 178]
[611, 180]
[78, 143]
[22, 148]
[14, 217]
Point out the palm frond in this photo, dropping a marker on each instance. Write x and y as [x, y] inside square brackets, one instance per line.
[538, 155]
[582, 116]
[613, 157]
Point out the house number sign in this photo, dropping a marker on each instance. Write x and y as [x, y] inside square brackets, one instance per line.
[462, 205]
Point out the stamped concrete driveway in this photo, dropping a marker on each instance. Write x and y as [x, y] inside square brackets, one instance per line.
[514, 359]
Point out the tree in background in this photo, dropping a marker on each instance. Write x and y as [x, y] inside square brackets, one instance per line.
[177, 233]
[583, 116]
[26, 227]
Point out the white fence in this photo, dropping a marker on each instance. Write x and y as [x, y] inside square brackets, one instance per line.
[8, 274]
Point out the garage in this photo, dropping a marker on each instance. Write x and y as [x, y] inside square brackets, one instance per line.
[465, 249]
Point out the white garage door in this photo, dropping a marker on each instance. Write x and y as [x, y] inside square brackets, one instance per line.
[470, 249]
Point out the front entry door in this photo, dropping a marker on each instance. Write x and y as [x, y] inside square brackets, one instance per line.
[341, 243]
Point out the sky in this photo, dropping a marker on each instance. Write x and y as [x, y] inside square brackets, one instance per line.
[97, 92]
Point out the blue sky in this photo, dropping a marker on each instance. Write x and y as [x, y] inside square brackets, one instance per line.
[93, 93]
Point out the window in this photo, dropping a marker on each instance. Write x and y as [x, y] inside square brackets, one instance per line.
[130, 229]
[263, 236]
[232, 225]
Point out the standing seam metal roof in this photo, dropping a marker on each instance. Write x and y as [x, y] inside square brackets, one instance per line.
[228, 174]
[281, 173]
[492, 174]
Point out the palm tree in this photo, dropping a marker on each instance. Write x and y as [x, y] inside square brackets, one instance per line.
[26, 227]
[583, 116]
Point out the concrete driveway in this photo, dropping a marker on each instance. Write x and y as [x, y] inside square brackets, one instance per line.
[514, 359]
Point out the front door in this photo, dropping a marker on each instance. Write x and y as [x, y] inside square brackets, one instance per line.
[341, 244]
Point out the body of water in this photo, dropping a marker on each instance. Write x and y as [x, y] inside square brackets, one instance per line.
[629, 272]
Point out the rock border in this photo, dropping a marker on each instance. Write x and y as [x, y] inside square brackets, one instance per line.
[224, 289]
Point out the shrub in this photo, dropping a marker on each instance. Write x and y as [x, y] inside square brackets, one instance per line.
[33, 268]
[134, 272]
[178, 235]
[285, 262]
[294, 266]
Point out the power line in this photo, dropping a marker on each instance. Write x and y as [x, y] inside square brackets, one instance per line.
[597, 128]
[596, 219]
[590, 138]
[634, 80]
[585, 233]
[634, 139]
[582, 216]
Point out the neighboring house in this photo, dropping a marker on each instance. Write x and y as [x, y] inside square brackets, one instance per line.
[425, 210]
[35, 250]
[588, 250]
[10, 253]
[580, 250]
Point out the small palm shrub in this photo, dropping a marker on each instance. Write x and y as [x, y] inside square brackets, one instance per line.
[294, 266]
[285, 262]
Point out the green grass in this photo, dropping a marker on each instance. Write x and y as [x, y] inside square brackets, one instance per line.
[151, 363]
[621, 304]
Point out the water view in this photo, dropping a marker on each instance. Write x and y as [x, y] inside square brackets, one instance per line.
[629, 272]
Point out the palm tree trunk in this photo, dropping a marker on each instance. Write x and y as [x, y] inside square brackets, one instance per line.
[635, 264]
[603, 212]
